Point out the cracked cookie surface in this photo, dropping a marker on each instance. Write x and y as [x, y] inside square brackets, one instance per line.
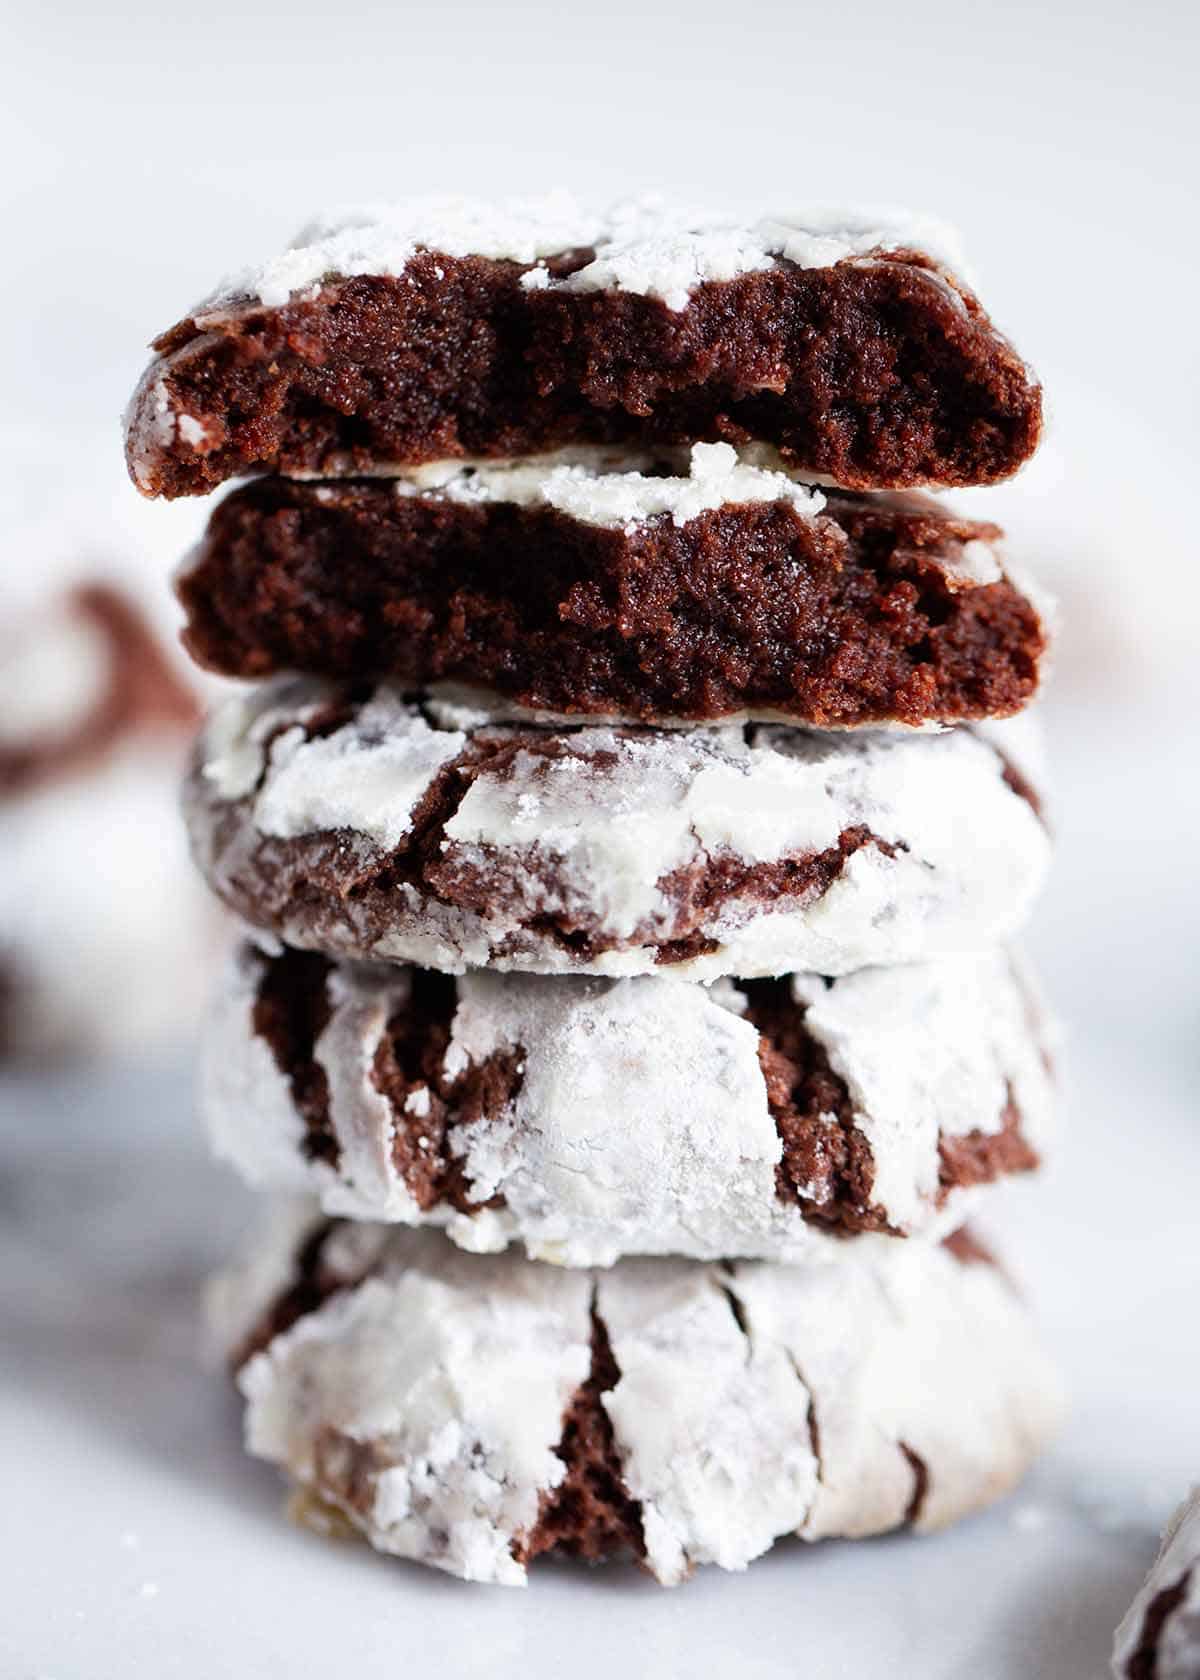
[474, 1412]
[588, 1118]
[369, 824]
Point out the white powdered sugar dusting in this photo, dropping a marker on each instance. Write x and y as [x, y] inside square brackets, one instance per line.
[383, 239]
[1176, 1645]
[621, 497]
[976, 565]
[620, 813]
[431, 1399]
[368, 777]
[643, 245]
[366, 1184]
[237, 1298]
[640, 1122]
[927, 1052]
[599, 824]
[711, 1424]
[912, 1351]
[665, 251]
[239, 1076]
[752, 1401]
[235, 738]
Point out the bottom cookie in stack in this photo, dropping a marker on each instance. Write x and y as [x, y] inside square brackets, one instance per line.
[474, 1413]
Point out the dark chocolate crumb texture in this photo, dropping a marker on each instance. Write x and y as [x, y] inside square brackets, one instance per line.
[766, 1119]
[669, 589]
[473, 1412]
[370, 824]
[850, 343]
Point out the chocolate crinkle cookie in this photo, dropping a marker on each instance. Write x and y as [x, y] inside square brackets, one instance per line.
[625, 585]
[475, 1412]
[588, 1118]
[371, 824]
[82, 672]
[848, 341]
[1159, 1639]
[104, 935]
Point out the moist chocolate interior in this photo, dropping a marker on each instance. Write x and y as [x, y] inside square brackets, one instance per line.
[590, 1514]
[876, 374]
[826, 1170]
[979, 1157]
[142, 692]
[846, 618]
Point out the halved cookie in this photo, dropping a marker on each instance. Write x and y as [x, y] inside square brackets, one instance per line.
[642, 587]
[460, 328]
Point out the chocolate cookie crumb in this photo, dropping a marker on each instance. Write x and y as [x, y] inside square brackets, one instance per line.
[875, 375]
[859, 615]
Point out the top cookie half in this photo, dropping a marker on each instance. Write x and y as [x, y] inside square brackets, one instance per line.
[387, 337]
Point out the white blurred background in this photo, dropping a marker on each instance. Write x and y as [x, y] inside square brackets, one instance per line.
[147, 149]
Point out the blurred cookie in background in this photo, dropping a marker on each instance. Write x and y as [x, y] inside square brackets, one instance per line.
[105, 944]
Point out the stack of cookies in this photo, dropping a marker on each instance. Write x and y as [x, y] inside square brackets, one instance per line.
[626, 1016]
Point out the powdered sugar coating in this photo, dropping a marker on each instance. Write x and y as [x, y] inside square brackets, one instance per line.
[711, 1423]
[752, 1401]
[369, 779]
[446, 1381]
[597, 827]
[640, 1124]
[930, 1052]
[237, 1299]
[643, 245]
[593, 492]
[1165, 1616]
[665, 251]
